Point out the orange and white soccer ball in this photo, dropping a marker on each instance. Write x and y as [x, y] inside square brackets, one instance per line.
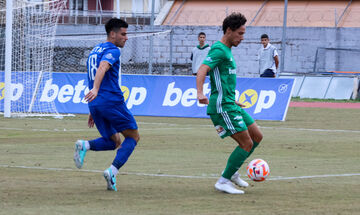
[258, 170]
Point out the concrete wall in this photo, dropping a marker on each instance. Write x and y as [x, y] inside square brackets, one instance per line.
[300, 52]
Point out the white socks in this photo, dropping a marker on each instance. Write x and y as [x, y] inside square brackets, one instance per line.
[87, 145]
[114, 170]
[223, 180]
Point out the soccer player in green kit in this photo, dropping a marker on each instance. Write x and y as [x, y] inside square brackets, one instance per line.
[225, 112]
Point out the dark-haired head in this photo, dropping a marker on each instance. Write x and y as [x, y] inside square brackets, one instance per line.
[233, 21]
[115, 24]
[264, 36]
[201, 33]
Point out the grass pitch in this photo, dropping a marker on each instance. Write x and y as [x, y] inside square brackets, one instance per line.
[313, 156]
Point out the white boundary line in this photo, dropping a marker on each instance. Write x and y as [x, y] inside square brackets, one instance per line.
[311, 129]
[182, 128]
[273, 178]
[77, 130]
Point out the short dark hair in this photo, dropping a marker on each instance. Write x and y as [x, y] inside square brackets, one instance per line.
[264, 36]
[114, 24]
[233, 21]
[201, 33]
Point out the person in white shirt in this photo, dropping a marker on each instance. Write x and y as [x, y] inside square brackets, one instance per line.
[268, 58]
[199, 53]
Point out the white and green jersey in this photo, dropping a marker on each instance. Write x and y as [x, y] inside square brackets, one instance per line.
[222, 79]
[198, 55]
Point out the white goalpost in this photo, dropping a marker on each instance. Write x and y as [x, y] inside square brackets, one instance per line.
[27, 35]
[8, 50]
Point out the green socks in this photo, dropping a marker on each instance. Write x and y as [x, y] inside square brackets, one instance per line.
[236, 159]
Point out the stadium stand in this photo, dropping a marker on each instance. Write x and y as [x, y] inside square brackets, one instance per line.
[268, 13]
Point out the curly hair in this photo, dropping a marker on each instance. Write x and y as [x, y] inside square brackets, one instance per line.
[233, 21]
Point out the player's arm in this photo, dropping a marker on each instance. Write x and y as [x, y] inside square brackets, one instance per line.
[276, 59]
[200, 79]
[100, 73]
[239, 104]
[214, 58]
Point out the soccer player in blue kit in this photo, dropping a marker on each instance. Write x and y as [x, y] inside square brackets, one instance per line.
[106, 102]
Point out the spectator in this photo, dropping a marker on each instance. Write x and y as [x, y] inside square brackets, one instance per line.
[199, 53]
[268, 58]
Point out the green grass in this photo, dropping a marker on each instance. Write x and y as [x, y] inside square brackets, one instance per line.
[311, 142]
[298, 99]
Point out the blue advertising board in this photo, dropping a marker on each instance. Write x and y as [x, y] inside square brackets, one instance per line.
[150, 95]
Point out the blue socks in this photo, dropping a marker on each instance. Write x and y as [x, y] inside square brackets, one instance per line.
[102, 144]
[124, 152]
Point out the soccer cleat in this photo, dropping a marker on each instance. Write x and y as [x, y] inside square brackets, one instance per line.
[110, 179]
[228, 187]
[238, 181]
[79, 154]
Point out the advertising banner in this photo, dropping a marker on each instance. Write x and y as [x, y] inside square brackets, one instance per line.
[151, 95]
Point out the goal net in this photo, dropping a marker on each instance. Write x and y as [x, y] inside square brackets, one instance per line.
[143, 53]
[33, 34]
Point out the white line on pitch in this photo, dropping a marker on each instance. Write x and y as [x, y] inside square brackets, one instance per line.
[273, 178]
[77, 130]
[310, 129]
[182, 128]
[276, 178]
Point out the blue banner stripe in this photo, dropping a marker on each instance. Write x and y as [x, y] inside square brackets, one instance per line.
[151, 95]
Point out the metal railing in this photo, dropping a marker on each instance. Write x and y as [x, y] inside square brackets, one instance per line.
[78, 17]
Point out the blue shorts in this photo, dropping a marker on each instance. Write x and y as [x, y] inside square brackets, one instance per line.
[111, 119]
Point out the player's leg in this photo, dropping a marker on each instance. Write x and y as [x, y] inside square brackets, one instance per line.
[82, 146]
[238, 156]
[99, 144]
[236, 159]
[122, 155]
[103, 143]
[126, 148]
[253, 128]
[124, 122]
[104, 126]
[232, 124]
[256, 136]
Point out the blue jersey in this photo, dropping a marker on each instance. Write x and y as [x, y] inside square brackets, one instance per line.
[110, 89]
